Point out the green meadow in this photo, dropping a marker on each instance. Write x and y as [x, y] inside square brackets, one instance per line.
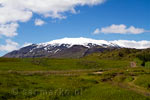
[99, 76]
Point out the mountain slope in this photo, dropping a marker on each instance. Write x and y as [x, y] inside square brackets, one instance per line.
[63, 48]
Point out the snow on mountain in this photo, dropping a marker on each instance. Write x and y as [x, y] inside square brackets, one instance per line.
[63, 48]
[77, 41]
[69, 42]
[73, 48]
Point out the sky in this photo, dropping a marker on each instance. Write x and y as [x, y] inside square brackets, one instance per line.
[23, 22]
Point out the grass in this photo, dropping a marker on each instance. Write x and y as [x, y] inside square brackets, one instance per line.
[143, 81]
[76, 79]
[59, 64]
[107, 92]
[83, 86]
[147, 65]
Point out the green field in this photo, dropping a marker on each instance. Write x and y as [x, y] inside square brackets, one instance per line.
[107, 76]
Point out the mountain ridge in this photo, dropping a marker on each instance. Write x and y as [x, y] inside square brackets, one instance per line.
[63, 48]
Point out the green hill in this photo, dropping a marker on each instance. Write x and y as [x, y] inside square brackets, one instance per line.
[98, 76]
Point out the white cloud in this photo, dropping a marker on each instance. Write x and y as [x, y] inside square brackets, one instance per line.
[119, 29]
[10, 14]
[14, 11]
[132, 44]
[10, 46]
[21, 10]
[8, 30]
[39, 22]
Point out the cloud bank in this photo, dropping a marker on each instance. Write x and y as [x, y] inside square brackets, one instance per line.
[9, 30]
[119, 29]
[132, 44]
[9, 46]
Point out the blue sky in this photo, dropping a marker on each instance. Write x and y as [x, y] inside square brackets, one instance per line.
[87, 19]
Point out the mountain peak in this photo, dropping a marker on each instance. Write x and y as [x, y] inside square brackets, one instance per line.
[77, 41]
[62, 48]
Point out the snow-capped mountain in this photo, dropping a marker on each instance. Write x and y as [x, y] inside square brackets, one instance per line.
[66, 47]
[77, 41]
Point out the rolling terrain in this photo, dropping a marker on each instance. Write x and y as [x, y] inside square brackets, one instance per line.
[117, 74]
